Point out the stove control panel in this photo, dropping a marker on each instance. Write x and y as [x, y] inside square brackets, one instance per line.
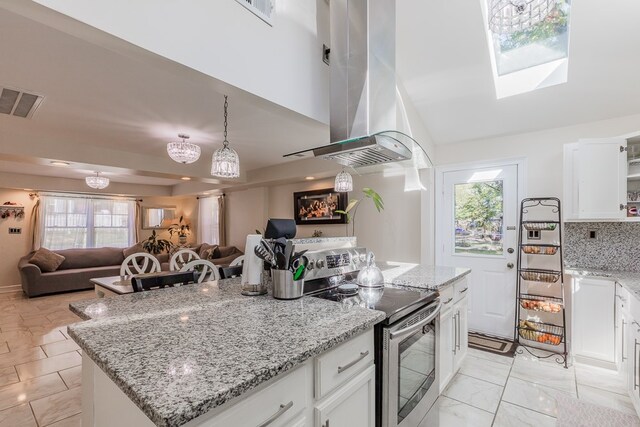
[332, 262]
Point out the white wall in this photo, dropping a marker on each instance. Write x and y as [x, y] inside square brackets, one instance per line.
[543, 150]
[282, 64]
[246, 213]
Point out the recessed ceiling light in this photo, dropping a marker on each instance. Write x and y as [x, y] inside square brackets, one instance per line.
[59, 163]
[309, 178]
[185, 178]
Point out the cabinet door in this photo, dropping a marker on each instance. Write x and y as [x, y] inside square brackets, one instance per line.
[352, 405]
[593, 323]
[445, 348]
[633, 366]
[463, 329]
[602, 184]
[571, 166]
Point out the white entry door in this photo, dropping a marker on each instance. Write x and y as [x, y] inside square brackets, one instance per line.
[477, 228]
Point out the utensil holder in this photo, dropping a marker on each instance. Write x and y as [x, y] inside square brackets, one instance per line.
[284, 287]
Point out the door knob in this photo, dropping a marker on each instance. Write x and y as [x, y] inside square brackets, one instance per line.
[510, 250]
[510, 265]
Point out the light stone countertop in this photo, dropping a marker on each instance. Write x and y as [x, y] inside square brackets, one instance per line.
[628, 279]
[420, 276]
[178, 353]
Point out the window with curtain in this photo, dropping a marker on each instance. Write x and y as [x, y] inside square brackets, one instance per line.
[86, 222]
[208, 224]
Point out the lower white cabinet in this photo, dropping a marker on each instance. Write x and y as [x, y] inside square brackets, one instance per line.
[633, 364]
[452, 330]
[353, 405]
[593, 321]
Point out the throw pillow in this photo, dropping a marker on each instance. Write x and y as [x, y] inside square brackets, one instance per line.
[46, 260]
[226, 251]
[207, 251]
[133, 250]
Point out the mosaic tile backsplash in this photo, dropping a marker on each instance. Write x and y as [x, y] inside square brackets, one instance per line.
[616, 246]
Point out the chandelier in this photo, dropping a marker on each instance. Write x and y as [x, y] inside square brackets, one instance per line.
[183, 151]
[225, 162]
[98, 182]
[508, 16]
[344, 182]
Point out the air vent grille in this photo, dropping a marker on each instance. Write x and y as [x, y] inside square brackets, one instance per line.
[263, 9]
[14, 102]
[366, 157]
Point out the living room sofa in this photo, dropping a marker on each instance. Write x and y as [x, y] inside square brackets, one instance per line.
[81, 265]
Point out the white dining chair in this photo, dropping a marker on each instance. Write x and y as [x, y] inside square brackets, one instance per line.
[182, 257]
[205, 269]
[138, 263]
[237, 261]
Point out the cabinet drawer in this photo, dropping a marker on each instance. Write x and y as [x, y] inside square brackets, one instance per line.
[340, 364]
[281, 402]
[460, 289]
[447, 297]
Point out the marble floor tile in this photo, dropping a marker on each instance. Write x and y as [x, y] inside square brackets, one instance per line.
[4, 348]
[510, 415]
[451, 413]
[72, 377]
[75, 421]
[601, 378]
[48, 365]
[552, 360]
[8, 375]
[487, 370]
[21, 356]
[620, 402]
[472, 391]
[60, 347]
[490, 356]
[531, 396]
[18, 416]
[545, 374]
[57, 407]
[26, 391]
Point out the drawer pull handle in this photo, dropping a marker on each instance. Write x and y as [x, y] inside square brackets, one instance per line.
[448, 301]
[282, 410]
[363, 354]
[464, 290]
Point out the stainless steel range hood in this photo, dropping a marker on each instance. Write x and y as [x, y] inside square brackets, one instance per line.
[363, 110]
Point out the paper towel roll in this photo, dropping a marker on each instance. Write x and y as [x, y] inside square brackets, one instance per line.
[253, 266]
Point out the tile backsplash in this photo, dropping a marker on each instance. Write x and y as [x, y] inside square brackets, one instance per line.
[616, 246]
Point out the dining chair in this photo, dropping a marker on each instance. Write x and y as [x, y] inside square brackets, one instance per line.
[182, 257]
[132, 264]
[237, 261]
[203, 268]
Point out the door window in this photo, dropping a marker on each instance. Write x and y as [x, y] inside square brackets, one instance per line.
[479, 214]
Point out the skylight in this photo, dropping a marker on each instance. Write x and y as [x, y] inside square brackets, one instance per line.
[529, 43]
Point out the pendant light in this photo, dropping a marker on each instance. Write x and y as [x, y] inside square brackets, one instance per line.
[344, 182]
[225, 161]
[98, 182]
[183, 152]
[508, 16]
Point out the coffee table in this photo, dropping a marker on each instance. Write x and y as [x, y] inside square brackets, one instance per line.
[112, 286]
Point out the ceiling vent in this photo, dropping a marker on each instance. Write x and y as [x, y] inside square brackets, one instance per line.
[14, 102]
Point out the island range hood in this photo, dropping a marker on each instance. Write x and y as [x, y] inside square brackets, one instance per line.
[363, 107]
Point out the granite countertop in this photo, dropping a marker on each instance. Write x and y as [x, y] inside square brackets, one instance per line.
[420, 276]
[628, 279]
[178, 353]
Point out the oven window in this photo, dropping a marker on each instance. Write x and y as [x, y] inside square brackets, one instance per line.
[417, 370]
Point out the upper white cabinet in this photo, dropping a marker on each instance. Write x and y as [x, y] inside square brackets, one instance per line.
[595, 183]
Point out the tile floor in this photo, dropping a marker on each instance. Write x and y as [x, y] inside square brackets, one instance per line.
[492, 390]
[39, 363]
[40, 377]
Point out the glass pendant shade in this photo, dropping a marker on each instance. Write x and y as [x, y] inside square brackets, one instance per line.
[183, 151]
[344, 182]
[97, 182]
[509, 16]
[225, 163]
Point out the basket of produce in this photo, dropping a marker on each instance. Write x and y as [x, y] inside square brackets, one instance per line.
[540, 332]
[534, 303]
[546, 276]
[540, 249]
[540, 226]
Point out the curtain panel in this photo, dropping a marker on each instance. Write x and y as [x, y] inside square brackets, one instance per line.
[209, 221]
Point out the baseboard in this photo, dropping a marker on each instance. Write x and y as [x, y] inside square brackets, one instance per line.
[10, 288]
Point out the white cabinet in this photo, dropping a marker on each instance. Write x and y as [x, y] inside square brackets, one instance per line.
[593, 321]
[595, 174]
[452, 330]
[353, 405]
[633, 367]
[623, 324]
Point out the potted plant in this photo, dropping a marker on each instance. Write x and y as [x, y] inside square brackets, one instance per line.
[182, 229]
[155, 245]
[352, 208]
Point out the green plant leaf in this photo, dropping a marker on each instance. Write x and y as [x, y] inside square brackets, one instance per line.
[352, 204]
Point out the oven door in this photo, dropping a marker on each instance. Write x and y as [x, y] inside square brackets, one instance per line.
[410, 384]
